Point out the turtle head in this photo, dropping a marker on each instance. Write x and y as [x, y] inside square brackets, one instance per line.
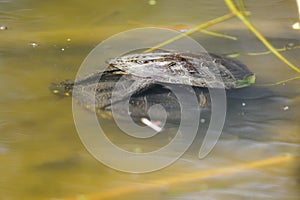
[235, 74]
[63, 88]
[246, 81]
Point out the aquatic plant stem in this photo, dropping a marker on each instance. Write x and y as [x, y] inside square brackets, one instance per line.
[236, 12]
[215, 34]
[166, 182]
[182, 29]
[197, 28]
[280, 82]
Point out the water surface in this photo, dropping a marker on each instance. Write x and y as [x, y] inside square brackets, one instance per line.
[41, 154]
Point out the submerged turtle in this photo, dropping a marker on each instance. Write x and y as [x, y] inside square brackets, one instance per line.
[138, 72]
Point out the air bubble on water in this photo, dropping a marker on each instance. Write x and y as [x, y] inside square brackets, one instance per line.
[285, 108]
[202, 120]
[3, 149]
[69, 39]
[62, 49]
[33, 44]
[243, 104]
[296, 26]
[3, 28]
[183, 30]
[152, 2]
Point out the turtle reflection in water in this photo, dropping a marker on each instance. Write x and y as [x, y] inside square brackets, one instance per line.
[139, 76]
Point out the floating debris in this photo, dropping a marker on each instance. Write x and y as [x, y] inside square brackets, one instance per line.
[151, 124]
[290, 46]
[285, 108]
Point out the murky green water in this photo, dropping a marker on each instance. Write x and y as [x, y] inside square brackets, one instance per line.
[40, 152]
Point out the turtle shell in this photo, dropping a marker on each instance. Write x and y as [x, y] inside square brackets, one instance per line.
[200, 70]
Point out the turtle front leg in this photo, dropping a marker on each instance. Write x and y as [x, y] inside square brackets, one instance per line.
[124, 89]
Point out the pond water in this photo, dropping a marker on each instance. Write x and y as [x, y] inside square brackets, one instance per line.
[41, 154]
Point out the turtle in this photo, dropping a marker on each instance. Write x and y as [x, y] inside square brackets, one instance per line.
[138, 72]
[139, 103]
